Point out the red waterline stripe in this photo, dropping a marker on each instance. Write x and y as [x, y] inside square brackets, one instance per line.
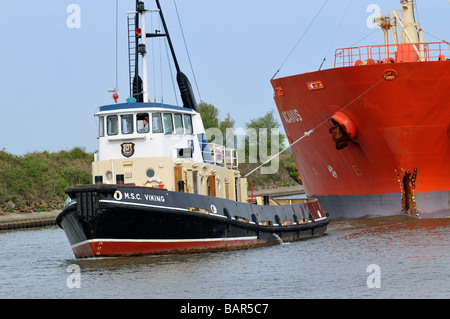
[104, 247]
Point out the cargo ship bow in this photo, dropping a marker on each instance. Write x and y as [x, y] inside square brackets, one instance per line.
[371, 136]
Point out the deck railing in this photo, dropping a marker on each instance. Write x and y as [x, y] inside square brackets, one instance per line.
[408, 52]
[220, 155]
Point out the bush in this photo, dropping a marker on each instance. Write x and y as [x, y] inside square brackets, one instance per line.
[40, 179]
[286, 175]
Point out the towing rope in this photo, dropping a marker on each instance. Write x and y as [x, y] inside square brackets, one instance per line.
[308, 133]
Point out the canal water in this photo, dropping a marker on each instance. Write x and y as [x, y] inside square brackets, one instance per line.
[395, 257]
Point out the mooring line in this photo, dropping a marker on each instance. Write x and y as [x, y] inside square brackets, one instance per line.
[313, 129]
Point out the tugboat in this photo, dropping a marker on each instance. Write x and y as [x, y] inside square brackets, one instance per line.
[159, 187]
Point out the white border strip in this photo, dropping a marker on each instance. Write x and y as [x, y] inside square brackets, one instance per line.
[142, 205]
[163, 240]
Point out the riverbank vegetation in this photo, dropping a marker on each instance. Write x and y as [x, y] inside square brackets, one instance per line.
[36, 181]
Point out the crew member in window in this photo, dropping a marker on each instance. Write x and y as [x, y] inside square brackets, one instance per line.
[144, 129]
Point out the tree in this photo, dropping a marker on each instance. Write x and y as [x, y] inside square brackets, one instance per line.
[267, 122]
[209, 114]
[211, 122]
[228, 122]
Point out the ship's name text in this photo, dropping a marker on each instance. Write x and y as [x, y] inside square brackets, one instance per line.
[118, 195]
[292, 116]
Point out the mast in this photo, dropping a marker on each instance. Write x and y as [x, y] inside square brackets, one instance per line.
[142, 49]
[409, 27]
[136, 80]
[184, 85]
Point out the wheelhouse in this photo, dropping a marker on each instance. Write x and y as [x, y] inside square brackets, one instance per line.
[153, 121]
[163, 146]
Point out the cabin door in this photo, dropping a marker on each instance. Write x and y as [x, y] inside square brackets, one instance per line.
[212, 185]
[195, 181]
[178, 173]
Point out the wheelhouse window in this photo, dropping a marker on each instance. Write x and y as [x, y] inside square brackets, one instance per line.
[157, 126]
[178, 119]
[101, 126]
[142, 124]
[127, 124]
[188, 124]
[112, 123]
[168, 124]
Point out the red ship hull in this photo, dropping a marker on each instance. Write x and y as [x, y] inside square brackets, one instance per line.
[99, 247]
[399, 161]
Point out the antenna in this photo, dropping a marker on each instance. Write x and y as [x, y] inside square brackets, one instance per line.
[183, 82]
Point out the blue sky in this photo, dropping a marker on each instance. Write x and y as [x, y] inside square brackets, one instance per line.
[54, 77]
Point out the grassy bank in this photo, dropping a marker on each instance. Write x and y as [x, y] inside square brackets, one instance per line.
[36, 181]
[286, 174]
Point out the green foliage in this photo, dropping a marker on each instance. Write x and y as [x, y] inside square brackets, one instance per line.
[209, 114]
[40, 179]
[228, 122]
[262, 133]
[291, 168]
[287, 173]
[268, 121]
[210, 118]
[285, 176]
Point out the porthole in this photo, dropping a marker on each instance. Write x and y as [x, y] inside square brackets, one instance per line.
[150, 173]
[109, 175]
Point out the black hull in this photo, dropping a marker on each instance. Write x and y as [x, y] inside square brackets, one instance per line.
[121, 220]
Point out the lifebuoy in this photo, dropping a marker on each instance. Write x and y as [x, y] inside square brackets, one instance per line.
[155, 179]
[347, 125]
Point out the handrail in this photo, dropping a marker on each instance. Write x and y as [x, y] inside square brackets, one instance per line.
[220, 155]
[406, 52]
